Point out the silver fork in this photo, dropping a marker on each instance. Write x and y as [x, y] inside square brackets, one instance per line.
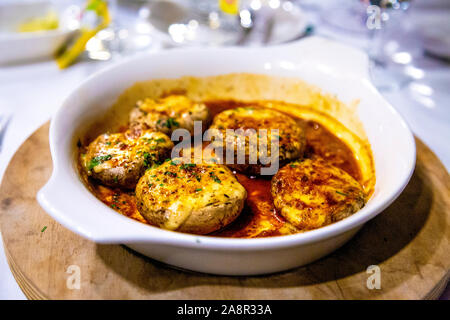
[4, 122]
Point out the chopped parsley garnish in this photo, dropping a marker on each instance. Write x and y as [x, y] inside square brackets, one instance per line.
[293, 165]
[44, 228]
[147, 159]
[171, 122]
[199, 189]
[150, 140]
[172, 174]
[187, 165]
[214, 177]
[98, 160]
[341, 193]
[108, 143]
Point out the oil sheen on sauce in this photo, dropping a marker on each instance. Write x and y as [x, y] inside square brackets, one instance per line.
[259, 217]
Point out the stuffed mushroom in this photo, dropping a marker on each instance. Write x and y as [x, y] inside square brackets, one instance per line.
[189, 197]
[312, 193]
[120, 159]
[259, 138]
[169, 113]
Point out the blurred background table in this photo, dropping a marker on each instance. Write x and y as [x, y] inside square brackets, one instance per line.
[31, 92]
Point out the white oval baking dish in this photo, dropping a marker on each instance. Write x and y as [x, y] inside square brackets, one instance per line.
[335, 68]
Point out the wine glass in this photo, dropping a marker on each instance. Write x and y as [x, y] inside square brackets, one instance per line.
[392, 46]
[196, 22]
[128, 33]
[391, 42]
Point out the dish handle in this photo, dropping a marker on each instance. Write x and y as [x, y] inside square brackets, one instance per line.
[83, 217]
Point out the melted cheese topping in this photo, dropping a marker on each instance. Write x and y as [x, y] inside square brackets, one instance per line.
[311, 193]
[179, 189]
[169, 113]
[120, 149]
[174, 104]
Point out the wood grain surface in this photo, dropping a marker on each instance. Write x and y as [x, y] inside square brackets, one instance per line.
[409, 242]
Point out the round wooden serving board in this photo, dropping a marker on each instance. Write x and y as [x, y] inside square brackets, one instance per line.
[410, 242]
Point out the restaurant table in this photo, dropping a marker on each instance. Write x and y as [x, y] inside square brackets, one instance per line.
[32, 92]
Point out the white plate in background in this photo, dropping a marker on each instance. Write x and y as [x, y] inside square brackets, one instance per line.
[23, 46]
